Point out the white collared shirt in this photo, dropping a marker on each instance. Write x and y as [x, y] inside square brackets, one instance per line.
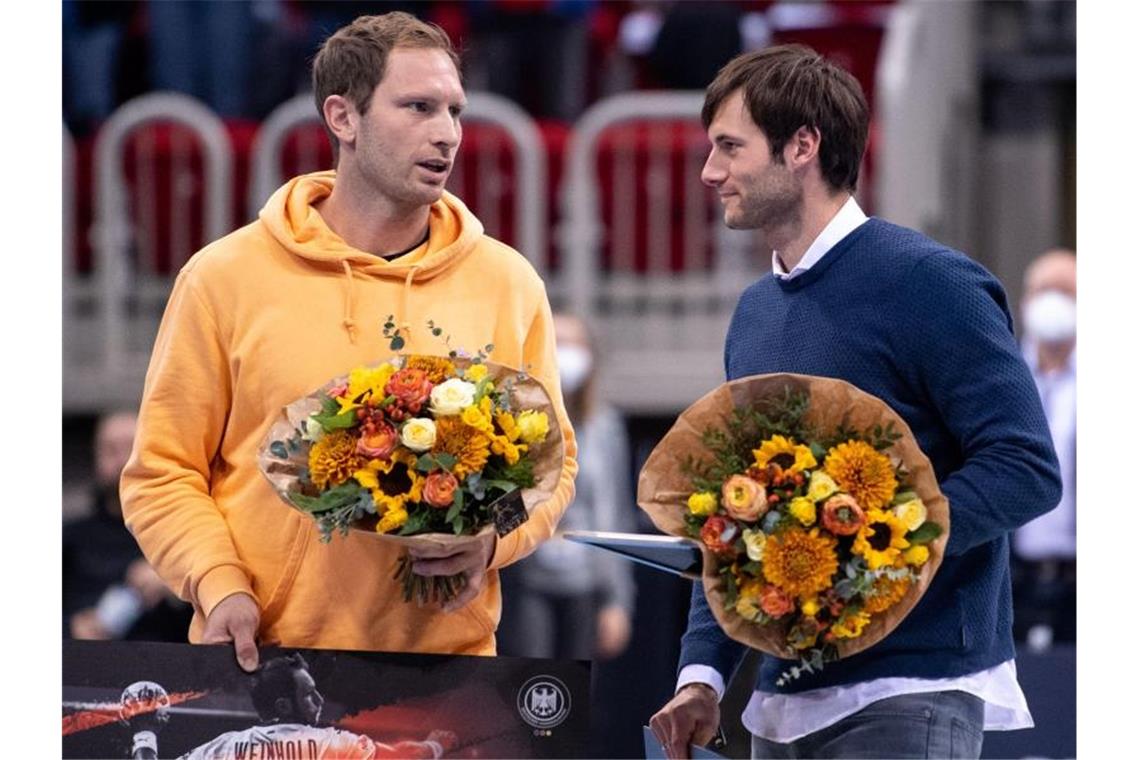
[786, 717]
[845, 221]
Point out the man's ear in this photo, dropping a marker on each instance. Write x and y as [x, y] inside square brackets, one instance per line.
[283, 706]
[342, 118]
[802, 148]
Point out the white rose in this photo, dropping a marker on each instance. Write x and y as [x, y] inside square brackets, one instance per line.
[452, 397]
[418, 434]
[754, 544]
[912, 513]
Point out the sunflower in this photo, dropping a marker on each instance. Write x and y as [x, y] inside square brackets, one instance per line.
[333, 459]
[392, 519]
[437, 368]
[469, 446]
[799, 562]
[863, 472]
[850, 626]
[881, 539]
[884, 594]
[788, 455]
[398, 485]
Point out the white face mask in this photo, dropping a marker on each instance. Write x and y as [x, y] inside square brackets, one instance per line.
[574, 365]
[1051, 317]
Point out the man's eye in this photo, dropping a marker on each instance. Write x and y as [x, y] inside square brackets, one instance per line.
[419, 106]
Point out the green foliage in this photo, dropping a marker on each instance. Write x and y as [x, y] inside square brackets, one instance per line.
[520, 474]
[340, 421]
[924, 533]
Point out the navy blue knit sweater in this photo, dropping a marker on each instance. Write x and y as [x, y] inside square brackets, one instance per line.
[928, 331]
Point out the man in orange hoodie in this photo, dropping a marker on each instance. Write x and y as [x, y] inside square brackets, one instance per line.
[274, 310]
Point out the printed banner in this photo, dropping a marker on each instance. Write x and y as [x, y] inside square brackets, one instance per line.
[144, 700]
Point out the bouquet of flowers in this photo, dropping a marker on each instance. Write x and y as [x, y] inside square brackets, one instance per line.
[418, 450]
[819, 517]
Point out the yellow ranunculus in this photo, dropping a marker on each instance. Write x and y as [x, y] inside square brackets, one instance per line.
[754, 544]
[533, 425]
[916, 555]
[912, 513]
[851, 626]
[803, 509]
[821, 486]
[702, 503]
[418, 434]
[476, 372]
[748, 600]
[810, 607]
[473, 416]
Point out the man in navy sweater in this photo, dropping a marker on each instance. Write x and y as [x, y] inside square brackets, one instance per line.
[929, 332]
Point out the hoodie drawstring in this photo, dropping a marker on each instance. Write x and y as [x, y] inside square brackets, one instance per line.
[349, 320]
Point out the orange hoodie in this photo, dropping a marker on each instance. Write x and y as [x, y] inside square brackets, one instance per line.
[265, 316]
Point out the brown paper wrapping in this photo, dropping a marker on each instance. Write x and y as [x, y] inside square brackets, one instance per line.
[663, 489]
[528, 393]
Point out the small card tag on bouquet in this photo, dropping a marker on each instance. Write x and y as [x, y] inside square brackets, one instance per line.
[509, 512]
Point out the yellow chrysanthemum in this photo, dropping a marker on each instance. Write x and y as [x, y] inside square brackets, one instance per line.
[851, 626]
[512, 452]
[468, 445]
[785, 452]
[392, 520]
[884, 594]
[800, 563]
[366, 383]
[916, 555]
[437, 368]
[475, 372]
[702, 503]
[881, 540]
[863, 472]
[803, 509]
[333, 459]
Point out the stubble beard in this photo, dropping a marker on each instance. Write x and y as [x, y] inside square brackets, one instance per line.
[774, 199]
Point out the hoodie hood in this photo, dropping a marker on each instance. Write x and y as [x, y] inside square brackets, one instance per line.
[453, 232]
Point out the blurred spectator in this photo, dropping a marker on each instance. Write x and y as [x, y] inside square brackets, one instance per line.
[93, 37]
[109, 590]
[534, 52]
[695, 40]
[1045, 566]
[567, 600]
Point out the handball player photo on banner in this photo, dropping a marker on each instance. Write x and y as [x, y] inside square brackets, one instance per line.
[152, 700]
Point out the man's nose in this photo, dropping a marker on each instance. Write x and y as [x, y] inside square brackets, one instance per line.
[447, 132]
[713, 174]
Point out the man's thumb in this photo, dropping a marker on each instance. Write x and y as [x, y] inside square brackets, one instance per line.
[245, 648]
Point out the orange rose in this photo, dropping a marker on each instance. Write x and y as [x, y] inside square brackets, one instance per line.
[411, 387]
[775, 602]
[842, 515]
[744, 498]
[377, 440]
[719, 533]
[439, 489]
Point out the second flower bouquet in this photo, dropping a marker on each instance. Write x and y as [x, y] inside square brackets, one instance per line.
[418, 450]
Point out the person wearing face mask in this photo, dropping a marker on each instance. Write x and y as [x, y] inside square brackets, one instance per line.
[1045, 562]
[567, 601]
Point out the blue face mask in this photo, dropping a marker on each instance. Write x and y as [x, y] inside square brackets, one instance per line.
[574, 365]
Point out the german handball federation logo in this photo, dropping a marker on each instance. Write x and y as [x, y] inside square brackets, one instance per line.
[544, 702]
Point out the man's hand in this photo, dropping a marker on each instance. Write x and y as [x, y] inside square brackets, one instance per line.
[613, 631]
[143, 579]
[690, 717]
[470, 558]
[235, 619]
[85, 625]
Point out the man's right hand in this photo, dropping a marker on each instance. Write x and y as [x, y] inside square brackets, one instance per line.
[690, 717]
[235, 619]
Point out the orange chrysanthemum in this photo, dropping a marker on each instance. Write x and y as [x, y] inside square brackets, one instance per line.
[469, 446]
[863, 472]
[884, 594]
[799, 562]
[437, 368]
[333, 459]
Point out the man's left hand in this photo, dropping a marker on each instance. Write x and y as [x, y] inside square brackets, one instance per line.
[470, 558]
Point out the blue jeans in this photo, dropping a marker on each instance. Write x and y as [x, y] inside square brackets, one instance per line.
[945, 724]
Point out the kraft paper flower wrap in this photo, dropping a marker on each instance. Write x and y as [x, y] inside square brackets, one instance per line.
[473, 447]
[820, 519]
